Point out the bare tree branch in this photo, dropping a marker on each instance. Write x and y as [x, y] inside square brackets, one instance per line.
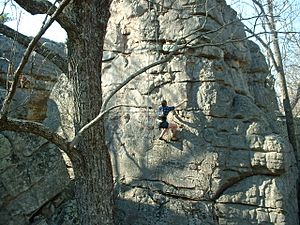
[45, 7]
[4, 6]
[39, 129]
[134, 75]
[175, 49]
[30, 48]
[264, 44]
[104, 105]
[55, 58]
[75, 140]
[36, 7]
[275, 54]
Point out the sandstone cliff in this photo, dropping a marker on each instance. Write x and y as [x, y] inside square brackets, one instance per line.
[233, 163]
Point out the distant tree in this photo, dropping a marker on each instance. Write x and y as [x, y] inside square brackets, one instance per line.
[277, 61]
[4, 17]
[276, 41]
[271, 23]
[292, 65]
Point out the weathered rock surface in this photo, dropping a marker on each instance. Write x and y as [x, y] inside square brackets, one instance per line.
[233, 161]
[33, 176]
[232, 165]
[30, 102]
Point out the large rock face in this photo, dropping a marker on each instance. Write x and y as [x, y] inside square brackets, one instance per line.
[33, 174]
[233, 163]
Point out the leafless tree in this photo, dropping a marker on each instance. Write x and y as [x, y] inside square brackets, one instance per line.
[277, 61]
[80, 19]
[291, 62]
[268, 15]
[84, 21]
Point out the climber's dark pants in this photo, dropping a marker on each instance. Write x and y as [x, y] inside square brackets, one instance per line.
[163, 124]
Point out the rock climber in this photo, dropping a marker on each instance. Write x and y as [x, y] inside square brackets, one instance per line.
[162, 115]
[23, 81]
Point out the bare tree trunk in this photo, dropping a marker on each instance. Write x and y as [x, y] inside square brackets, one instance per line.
[296, 98]
[284, 91]
[93, 178]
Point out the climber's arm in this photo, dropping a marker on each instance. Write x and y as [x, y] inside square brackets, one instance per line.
[181, 103]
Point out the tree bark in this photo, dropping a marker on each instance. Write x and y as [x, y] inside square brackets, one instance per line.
[93, 179]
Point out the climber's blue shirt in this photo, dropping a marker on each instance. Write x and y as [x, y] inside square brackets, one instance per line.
[165, 110]
[162, 114]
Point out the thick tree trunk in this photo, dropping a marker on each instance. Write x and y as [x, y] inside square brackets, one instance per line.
[93, 187]
[93, 178]
[85, 22]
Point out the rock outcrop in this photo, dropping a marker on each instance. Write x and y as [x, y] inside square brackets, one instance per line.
[232, 164]
[33, 176]
[233, 161]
